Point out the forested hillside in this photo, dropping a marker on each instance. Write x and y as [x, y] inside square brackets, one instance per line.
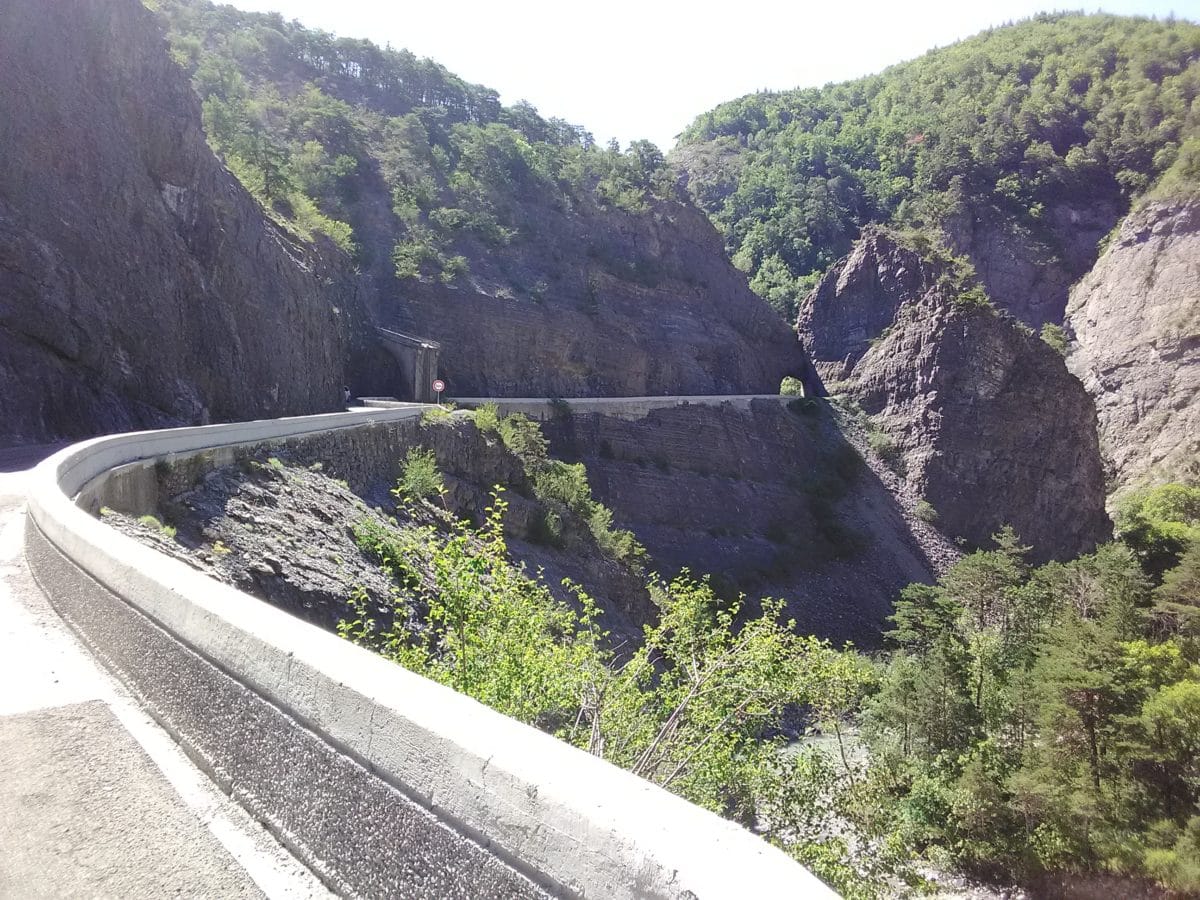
[1020, 148]
[459, 209]
[309, 121]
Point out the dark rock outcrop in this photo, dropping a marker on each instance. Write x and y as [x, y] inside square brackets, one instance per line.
[1135, 326]
[635, 304]
[1029, 274]
[980, 415]
[139, 283]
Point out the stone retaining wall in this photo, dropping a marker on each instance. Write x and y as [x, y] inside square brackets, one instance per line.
[383, 782]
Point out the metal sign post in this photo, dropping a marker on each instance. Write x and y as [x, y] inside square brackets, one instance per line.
[439, 386]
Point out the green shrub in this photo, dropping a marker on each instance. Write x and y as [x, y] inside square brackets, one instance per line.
[695, 710]
[1158, 524]
[420, 478]
[524, 438]
[1055, 338]
[925, 512]
[487, 417]
[436, 414]
[564, 483]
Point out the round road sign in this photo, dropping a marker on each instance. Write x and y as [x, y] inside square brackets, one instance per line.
[439, 385]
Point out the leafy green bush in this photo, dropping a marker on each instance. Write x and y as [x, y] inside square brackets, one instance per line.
[564, 483]
[487, 417]
[1055, 338]
[925, 512]
[437, 414]
[1159, 524]
[420, 478]
[696, 709]
[524, 438]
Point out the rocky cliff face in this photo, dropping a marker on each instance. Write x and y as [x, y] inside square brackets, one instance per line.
[769, 500]
[139, 283]
[1135, 326]
[979, 416]
[1030, 275]
[635, 305]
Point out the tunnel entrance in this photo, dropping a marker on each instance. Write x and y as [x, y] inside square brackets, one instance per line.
[418, 361]
[806, 382]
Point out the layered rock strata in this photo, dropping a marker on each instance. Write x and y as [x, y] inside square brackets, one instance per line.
[977, 413]
[139, 283]
[1134, 321]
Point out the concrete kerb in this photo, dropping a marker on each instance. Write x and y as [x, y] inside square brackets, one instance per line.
[573, 822]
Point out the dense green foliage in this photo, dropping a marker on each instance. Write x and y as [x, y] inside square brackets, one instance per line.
[420, 478]
[1008, 125]
[560, 486]
[1045, 720]
[1160, 523]
[696, 708]
[395, 159]
[1028, 720]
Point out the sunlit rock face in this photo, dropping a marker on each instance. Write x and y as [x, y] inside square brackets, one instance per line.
[981, 416]
[1135, 327]
[139, 283]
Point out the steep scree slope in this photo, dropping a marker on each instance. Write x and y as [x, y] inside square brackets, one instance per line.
[1135, 321]
[279, 523]
[981, 416]
[139, 283]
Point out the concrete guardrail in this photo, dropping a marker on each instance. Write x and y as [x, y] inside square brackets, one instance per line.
[383, 782]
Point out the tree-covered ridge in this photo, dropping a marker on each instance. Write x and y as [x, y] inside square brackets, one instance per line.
[394, 82]
[396, 159]
[1060, 109]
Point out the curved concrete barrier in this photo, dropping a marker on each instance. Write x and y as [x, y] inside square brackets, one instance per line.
[383, 782]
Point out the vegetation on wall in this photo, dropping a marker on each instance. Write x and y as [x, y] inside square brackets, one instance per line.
[561, 487]
[1010, 124]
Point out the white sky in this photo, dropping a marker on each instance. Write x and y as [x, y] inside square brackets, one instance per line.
[645, 68]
